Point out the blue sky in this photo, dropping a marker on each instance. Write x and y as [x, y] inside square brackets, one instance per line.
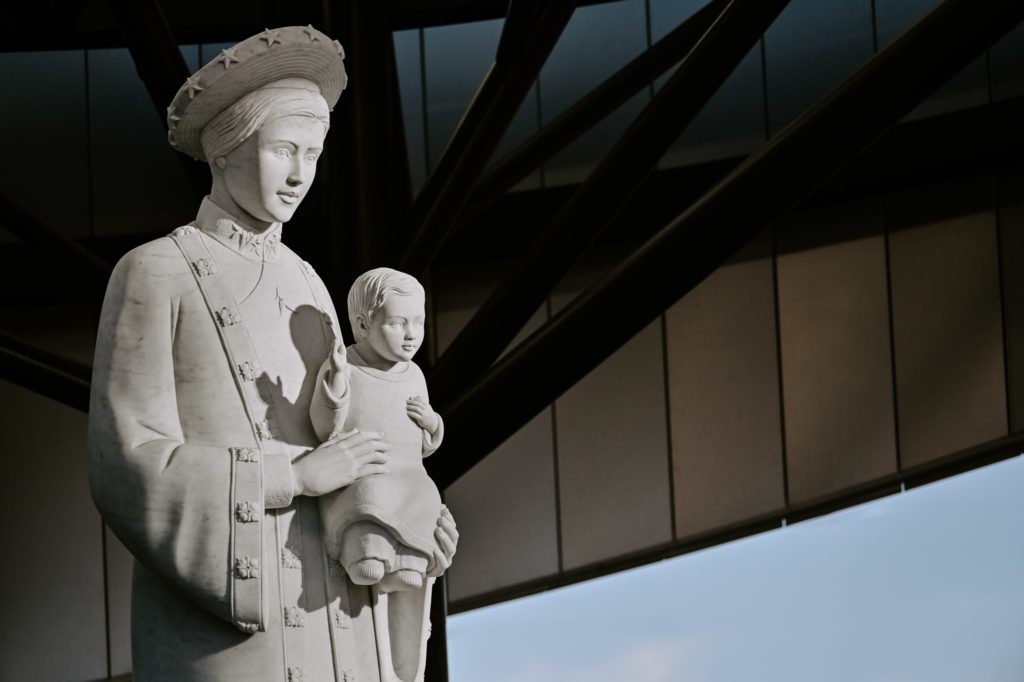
[924, 586]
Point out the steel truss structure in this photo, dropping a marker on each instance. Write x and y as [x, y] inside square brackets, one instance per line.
[373, 217]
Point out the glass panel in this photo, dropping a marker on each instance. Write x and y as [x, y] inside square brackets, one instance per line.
[966, 89]
[457, 58]
[612, 443]
[723, 362]
[732, 123]
[410, 84]
[138, 183]
[1011, 247]
[811, 48]
[598, 41]
[1007, 64]
[834, 337]
[52, 624]
[947, 322]
[506, 505]
[47, 172]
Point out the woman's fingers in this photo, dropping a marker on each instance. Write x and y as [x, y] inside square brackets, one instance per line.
[445, 545]
[353, 437]
[447, 521]
[360, 441]
[373, 457]
[371, 469]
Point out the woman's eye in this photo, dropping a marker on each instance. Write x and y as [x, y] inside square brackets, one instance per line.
[311, 158]
[282, 153]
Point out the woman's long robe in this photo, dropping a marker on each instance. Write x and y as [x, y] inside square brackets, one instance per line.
[231, 581]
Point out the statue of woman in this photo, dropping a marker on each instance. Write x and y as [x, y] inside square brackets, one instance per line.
[203, 460]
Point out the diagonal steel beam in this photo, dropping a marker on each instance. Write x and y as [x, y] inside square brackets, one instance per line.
[368, 177]
[53, 376]
[800, 158]
[603, 194]
[399, 173]
[159, 64]
[591, 109]
[18, 221]
[530, 33]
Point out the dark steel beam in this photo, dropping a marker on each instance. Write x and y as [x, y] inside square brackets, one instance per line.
[427, 13]
[436, 669]
[591, 109]
[981, 139]
[32, 231]
[362, 151]
[799, 159]
[399, 173]
[530, 33]
[159, 63]
[55, 377]
[702, 72]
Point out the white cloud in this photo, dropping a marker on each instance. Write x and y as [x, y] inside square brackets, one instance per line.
[661, 659]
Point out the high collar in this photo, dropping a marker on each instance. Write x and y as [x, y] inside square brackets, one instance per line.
[229, 231]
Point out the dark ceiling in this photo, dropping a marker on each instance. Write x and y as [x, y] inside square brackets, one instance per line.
[77, 24]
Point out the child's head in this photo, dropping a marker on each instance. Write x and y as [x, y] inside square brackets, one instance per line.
[386, 311]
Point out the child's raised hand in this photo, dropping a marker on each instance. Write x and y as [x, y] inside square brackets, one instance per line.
[419, 411]
[338, 356]
[337, 361]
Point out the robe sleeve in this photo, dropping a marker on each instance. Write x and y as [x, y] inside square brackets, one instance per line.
[432, 441]
[186, 511]
[327, 411]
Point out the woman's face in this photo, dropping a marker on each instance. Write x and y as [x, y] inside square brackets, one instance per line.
[268, 175]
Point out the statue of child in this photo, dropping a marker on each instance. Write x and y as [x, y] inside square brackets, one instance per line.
[381, 528]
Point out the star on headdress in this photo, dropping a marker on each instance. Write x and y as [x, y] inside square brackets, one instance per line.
[192, 83]
[227, 57]
[339, 48]
[172, 118]
[271, 36]
[311, 32]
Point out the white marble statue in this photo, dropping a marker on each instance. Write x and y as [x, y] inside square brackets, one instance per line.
[202, 456]
[380, 528]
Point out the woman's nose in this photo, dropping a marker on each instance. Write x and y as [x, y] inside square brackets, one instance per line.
[297, 174]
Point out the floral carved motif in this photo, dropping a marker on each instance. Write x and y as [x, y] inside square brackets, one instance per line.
[247, 512]
[247, 568]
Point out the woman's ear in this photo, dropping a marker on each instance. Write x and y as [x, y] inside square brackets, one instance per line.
[220, 162]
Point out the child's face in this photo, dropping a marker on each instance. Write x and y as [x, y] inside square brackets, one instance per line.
[397, 328]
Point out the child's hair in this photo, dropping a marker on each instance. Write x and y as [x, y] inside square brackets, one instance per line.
[369, 290]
